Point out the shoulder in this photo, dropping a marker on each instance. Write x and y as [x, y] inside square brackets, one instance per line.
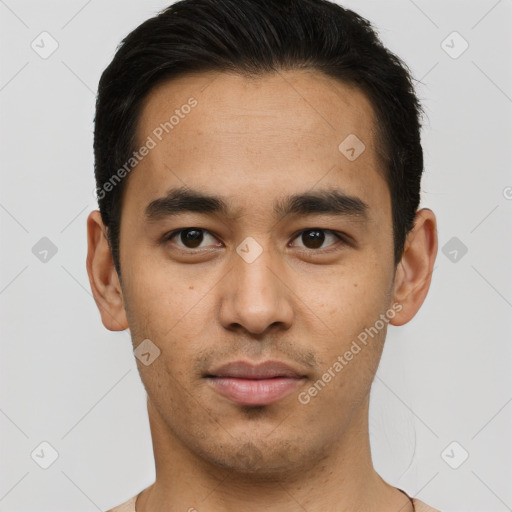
[421, 507]
[127, 506]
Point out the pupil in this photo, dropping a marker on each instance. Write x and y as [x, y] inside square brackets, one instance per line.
[313, 237]
[192, 237]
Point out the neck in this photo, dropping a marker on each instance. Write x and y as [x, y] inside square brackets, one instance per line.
[341, 479]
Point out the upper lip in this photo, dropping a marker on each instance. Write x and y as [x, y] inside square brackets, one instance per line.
[246, 370]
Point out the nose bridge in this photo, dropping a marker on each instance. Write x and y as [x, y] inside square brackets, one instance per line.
[255, 297]
[255, 279]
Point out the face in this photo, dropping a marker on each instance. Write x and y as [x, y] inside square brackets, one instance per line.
[291, 262]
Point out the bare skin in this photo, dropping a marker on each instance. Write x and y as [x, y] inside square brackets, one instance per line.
[254, 142]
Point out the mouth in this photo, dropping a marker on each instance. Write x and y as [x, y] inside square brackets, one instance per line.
[255, 385]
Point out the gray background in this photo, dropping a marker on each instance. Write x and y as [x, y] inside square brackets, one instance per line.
[444, 377]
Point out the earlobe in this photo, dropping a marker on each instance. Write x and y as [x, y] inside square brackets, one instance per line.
[103, 277]
[414, 272]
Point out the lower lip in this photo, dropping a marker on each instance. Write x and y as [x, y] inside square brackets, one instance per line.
[255, 391]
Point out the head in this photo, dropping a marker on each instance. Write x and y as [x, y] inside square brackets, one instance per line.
[288, 137]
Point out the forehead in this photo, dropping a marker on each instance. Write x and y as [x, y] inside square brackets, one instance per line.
[274, 132]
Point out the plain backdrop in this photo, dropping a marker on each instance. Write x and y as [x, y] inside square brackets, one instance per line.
[441, 411]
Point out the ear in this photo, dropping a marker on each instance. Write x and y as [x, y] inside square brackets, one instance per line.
[414, 271]
[103, 277]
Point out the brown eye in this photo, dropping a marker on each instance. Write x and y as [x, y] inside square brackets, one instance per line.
[314, 238]
[189, 238]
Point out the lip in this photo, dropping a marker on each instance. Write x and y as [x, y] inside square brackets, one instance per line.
[246, 370]
[261, 384]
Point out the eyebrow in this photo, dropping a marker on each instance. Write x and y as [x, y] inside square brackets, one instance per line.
[327, 201]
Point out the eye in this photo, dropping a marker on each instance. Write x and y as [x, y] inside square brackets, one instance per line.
[315, 237]
[191, 238]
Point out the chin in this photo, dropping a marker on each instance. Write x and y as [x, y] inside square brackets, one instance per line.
[259, 457]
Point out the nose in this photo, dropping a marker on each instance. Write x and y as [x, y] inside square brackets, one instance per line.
[255, 295]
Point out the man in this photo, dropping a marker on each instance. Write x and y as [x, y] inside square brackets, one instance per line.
[258, 165]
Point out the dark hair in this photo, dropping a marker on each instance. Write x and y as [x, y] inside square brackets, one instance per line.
[254, 37]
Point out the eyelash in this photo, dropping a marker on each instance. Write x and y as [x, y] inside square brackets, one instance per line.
[340, 236]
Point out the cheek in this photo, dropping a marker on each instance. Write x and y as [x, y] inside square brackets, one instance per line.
[350, 352]
[162, 382]
[353, 298]
[174, 314]
[156, 299]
